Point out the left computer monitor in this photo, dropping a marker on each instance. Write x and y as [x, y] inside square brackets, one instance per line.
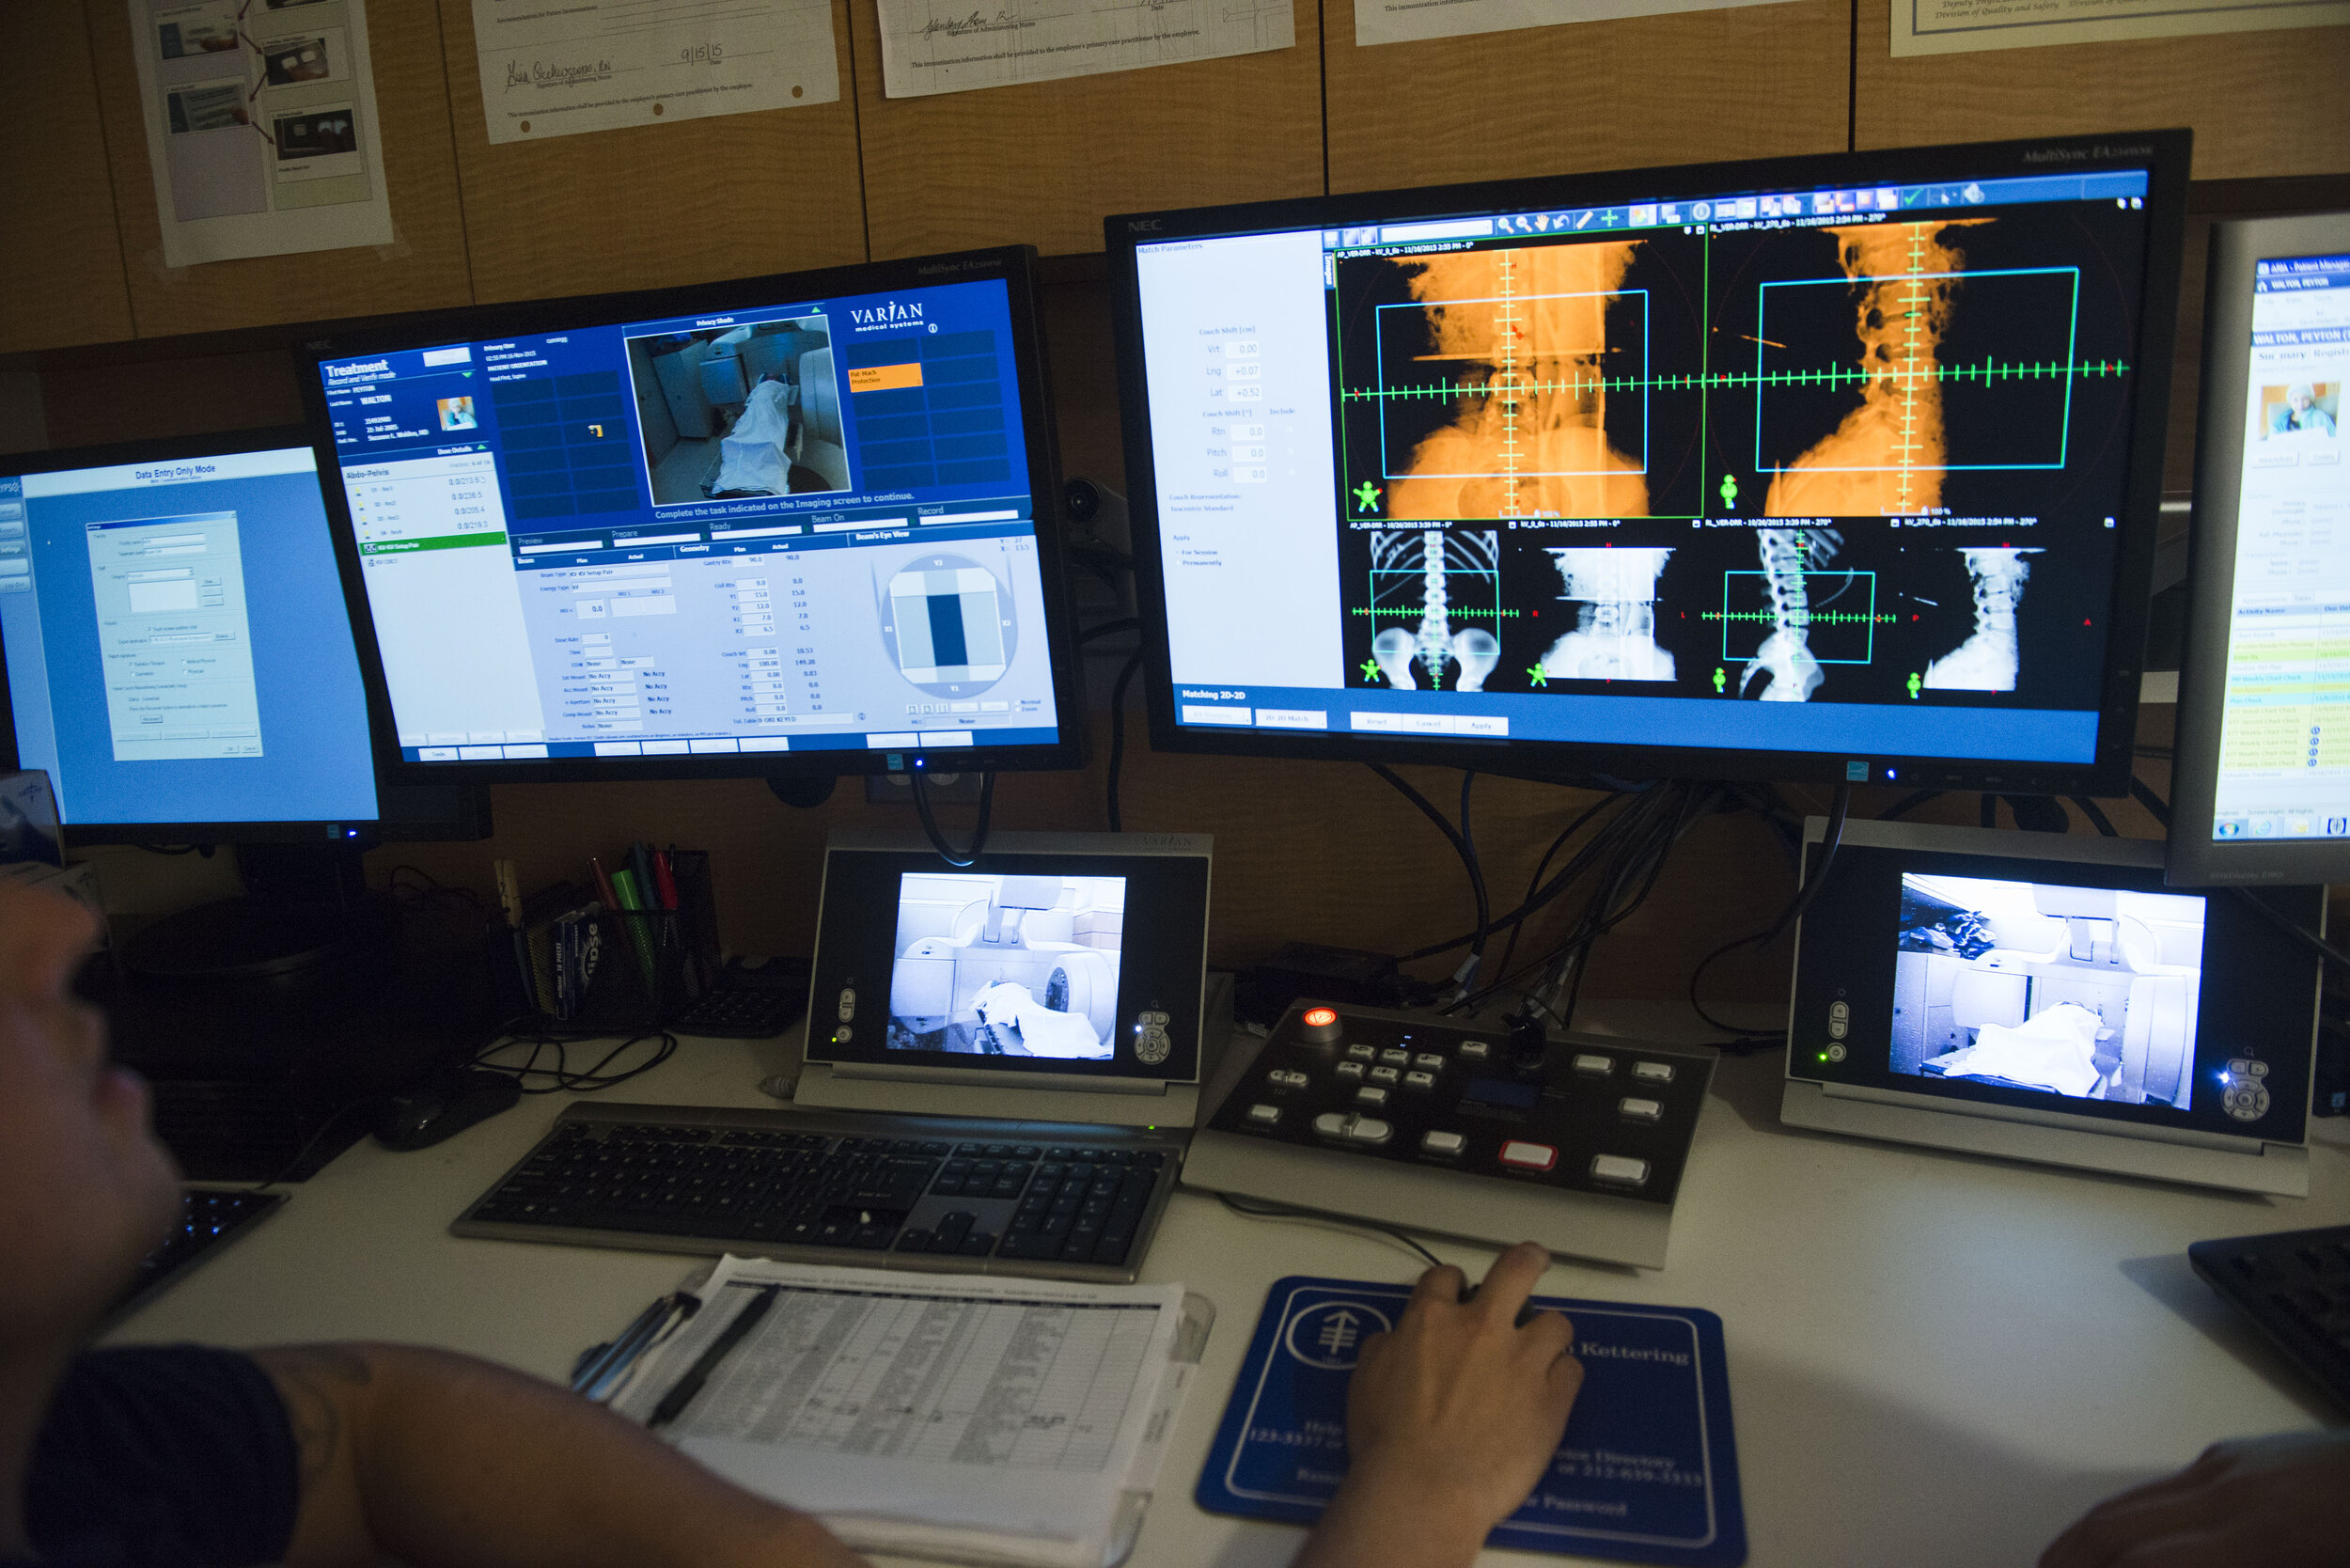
[788, 526]
[176, 653]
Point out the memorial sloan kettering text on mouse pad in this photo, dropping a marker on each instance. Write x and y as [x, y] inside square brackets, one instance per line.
[1647, 1472]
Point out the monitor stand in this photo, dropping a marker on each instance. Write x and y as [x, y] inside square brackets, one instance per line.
[305, 909]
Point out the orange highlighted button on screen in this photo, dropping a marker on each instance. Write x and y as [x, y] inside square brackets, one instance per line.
[881, 378]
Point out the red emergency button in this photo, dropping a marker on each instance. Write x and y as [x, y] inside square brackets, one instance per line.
[1528, 1156]
[1319, 1025]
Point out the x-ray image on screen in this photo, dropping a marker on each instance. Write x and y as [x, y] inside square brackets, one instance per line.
[2086, 991]
[1007, 966]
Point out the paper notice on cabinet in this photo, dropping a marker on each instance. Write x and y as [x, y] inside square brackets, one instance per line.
[1408, 21]
[594, 65]
[933, 46]
[261, 126]
[1958, 26]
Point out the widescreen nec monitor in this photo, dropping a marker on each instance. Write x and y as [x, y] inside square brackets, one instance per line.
[790, 524]
[178, 658]
[2261, 784]
[1839, 469]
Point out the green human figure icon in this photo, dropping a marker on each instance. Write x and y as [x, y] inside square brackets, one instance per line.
[1730, 493]
[1916, 683]
[1538, 675]
[1366, 496]
[1721, 680]
[1370, 669]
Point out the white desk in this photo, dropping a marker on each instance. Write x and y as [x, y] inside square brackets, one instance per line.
[1934, 1360]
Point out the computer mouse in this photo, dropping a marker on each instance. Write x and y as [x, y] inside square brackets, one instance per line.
[443, 1106]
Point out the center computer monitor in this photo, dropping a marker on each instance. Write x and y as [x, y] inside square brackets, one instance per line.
[177, 653]
[794, 524]
[1839, 468]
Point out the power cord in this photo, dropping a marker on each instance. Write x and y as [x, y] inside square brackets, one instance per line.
[1255, 1209]
[1744, 1043]
[1118, 736]
[565, 1080]
[946, 851]
[1463, 847]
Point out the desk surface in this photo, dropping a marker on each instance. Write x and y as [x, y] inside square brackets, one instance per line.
[1934, 1359]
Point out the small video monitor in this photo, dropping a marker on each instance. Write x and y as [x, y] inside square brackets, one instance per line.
[2039, 984]
[990, 964]
[794, 525]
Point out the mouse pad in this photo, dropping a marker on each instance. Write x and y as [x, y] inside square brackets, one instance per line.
[1647, 1471]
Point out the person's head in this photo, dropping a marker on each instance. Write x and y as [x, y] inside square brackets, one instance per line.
[2301, 396]
[86, 1191]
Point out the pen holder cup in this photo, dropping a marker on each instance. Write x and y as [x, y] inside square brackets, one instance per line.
[639, 970]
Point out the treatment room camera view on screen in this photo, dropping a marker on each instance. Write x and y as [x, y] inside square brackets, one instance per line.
[2085, 992]
[1007, 966]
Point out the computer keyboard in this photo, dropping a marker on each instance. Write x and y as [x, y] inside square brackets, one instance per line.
[1046, 1198]
[208, 1222]
[2295, 1285]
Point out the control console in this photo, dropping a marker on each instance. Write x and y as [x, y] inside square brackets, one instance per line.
[1576, 1141]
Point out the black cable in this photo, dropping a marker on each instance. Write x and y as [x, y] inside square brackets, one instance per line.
[930, 824]
[1516, 918]
[1907, 803]
[1460, 847]
[2096, 813]
[567, 1080]
[1257, 1209]
[2294, 928]
[1536, 902]
[1476, 871]
[1649, 846]
[333, 1119]
[2155, 805]
[1830, 842]
[1118, 735]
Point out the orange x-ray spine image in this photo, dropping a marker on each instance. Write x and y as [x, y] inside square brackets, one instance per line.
[1521, 333]
[1895, 437]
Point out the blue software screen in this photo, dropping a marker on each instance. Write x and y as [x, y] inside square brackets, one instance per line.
[176, 645]
[803, 526]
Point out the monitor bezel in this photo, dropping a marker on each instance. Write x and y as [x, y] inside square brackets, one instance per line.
[2196, 858]
[467, 807]
[2165, 156]
[1015, 264]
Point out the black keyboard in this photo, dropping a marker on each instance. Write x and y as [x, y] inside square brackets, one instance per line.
[742, 1012]
[879, 1191]
[208, 1222]
[2295, 1285]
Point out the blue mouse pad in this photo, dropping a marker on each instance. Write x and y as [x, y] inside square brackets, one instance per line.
[1647, 1471]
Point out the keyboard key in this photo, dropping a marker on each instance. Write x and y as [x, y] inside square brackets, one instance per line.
[1652, 1072]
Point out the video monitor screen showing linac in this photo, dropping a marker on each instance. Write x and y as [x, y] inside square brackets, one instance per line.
[1797, 470]
[176, 645]
[805, 526]
[1007, 966]
[2089, 993]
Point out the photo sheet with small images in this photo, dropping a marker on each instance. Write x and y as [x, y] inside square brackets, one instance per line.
[1647, 1472]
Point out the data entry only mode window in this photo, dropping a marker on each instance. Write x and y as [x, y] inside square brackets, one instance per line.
[1832, 471]
[808, 528]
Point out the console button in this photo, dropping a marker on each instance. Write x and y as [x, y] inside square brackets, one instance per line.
[1286, 1079]
[1428, 1061]
[1394, 1058]
[1367, 1129]
[1620, 1169]
[847, 1004]
[1519, 1155]
[1349, 1070]
[1595, 1066]
[1360, 1053]
[1371, 1096]
[1331, 1124]
[1652, 1072]
[1319, 1025]
[1840, 1013]
[1639, 1111]
[1476, 1050]
[1264, 1116]
[1384, 1074]
[1443, 1145]
[1419, 1080]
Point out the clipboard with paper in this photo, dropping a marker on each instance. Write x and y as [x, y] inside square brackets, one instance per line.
[967, 1420]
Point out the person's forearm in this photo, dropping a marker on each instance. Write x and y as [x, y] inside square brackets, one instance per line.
[453, 1463]
[1374, 1524]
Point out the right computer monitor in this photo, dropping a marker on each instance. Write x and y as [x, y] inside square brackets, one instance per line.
[1834, 468]
[2261, 784]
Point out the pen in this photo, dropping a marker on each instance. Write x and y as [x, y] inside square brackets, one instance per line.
[602, 1364]
[673, 1404]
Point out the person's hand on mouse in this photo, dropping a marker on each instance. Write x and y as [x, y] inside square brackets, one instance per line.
[2259, 1502]
[1451, 1420]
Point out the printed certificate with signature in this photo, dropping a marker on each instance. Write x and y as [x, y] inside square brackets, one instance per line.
[551, 68]
[932, 46]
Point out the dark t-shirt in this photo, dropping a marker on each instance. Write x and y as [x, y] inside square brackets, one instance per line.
[164, 1456]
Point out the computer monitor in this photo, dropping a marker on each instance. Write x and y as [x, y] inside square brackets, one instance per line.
[795, 525]
[1839, 468]
[2261, 781]
[176, 653]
